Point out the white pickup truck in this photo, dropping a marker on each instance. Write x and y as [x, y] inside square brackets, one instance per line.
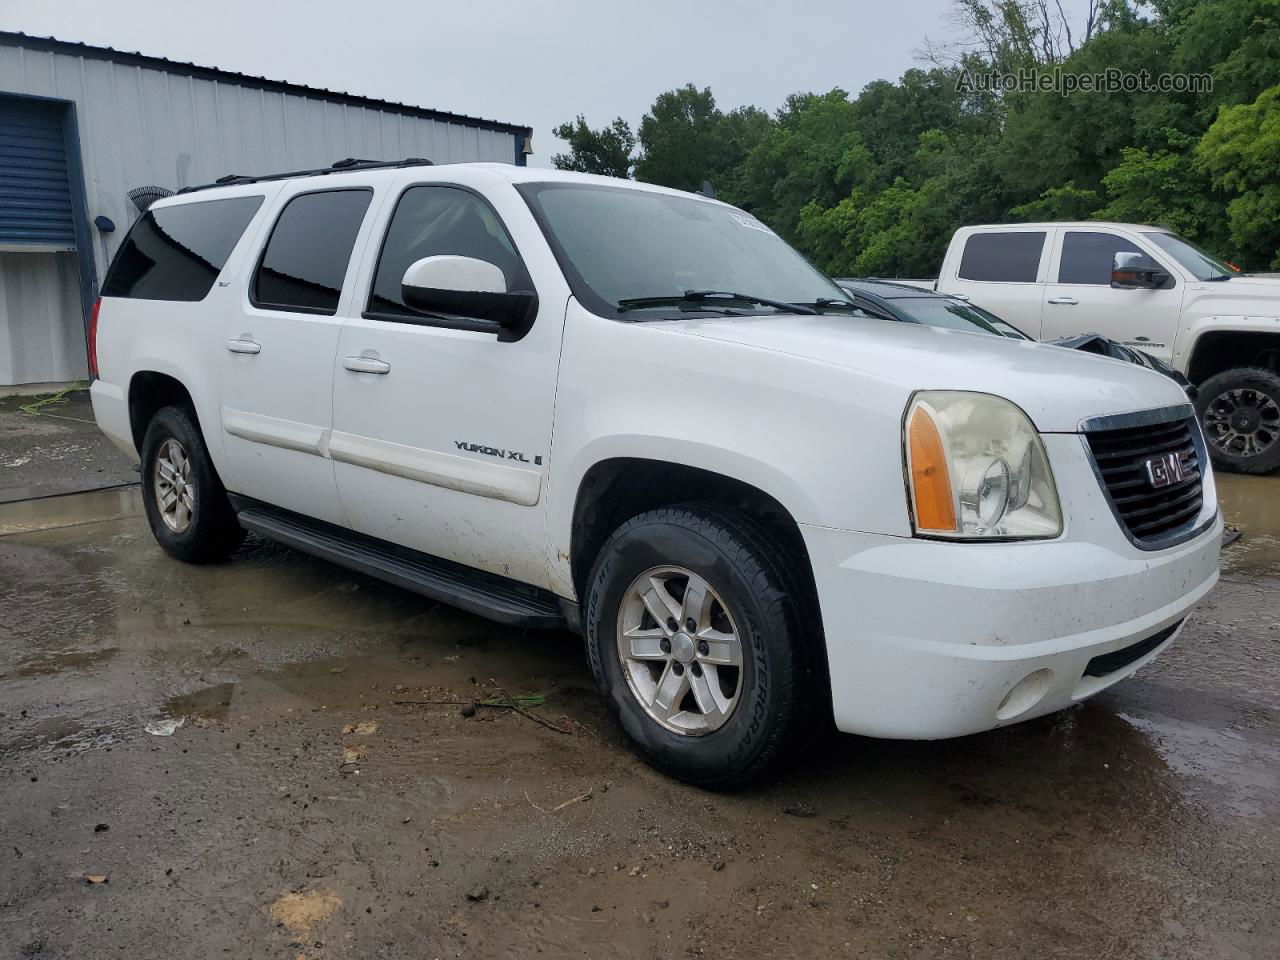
[558, 400]
[1146, 288]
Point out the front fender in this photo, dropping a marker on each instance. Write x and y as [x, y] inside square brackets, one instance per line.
[824, 444]
[698, 453]
[1191, 332]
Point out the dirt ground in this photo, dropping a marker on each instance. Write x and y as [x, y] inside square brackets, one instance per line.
[309, 805]
[58, 450]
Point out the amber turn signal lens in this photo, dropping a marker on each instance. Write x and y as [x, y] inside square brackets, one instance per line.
[930, 481]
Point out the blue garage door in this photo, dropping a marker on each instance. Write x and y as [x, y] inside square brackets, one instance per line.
[35, 192]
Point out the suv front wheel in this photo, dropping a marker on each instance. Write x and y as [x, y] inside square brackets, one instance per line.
[185, 502]
[693, 633]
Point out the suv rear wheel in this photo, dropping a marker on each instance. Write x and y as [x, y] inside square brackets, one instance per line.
[1240, 411]
[693, 634]
[185, 502]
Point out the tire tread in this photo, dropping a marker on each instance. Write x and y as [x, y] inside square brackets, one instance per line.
[749, 546]
[1214, 386]
[215, 532]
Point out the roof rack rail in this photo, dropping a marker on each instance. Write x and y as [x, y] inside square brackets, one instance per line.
[340, 166]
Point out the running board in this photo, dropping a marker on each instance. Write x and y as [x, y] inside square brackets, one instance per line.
[484, 594]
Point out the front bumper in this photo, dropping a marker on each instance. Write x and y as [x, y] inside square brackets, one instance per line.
[929, 639]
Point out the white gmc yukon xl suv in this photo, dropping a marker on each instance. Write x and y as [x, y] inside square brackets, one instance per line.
[559, 400]
[1148, 288]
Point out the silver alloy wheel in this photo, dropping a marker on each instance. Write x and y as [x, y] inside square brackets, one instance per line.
[680, 650]
[174, 489]
[1242, 422]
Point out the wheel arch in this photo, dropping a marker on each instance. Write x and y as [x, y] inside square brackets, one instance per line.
[150, 391]
[1217, 349]
[613, 490]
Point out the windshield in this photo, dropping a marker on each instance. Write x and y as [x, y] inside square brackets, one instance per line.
[937, 312]
[1203, 266]
[617, 244]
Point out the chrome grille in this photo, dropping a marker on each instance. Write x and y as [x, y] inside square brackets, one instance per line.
[1151, 475]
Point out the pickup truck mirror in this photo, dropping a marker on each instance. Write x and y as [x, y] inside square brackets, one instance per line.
[466, 287]
[1136, 271]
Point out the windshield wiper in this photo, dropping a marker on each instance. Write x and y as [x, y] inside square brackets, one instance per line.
[716, 297]
[1218, 278]
[824, 303]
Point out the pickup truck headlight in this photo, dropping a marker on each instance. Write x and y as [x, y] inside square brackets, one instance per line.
[976, 469]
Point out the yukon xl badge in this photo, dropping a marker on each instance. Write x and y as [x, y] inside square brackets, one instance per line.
[1165, 469]
[496, 452]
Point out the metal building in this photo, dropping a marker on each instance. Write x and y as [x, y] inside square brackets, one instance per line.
[82, 128]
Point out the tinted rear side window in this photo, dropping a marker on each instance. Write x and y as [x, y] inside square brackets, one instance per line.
[1002, 257]
[1088, 257]
[176, 253]
[306, 258]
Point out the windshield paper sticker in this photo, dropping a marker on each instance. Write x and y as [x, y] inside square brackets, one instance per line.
[751, 223]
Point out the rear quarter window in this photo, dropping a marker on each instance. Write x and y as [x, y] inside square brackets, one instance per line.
[1012, 257]
[305, 261]
[177, 252]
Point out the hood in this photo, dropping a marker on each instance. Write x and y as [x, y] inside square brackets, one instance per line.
[1056, 387]
[1244, 296]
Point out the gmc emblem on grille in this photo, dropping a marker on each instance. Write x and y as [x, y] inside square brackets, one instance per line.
[1165, 469]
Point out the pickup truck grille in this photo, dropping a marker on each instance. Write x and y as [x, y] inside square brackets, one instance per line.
[1151, 475]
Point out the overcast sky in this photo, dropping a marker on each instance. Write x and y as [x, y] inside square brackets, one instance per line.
[520, 61]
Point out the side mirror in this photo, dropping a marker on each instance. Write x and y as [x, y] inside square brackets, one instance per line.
[469, 288]
[1136, 271]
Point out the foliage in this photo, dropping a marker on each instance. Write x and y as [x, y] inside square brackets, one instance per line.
[686, 140]
[606, 151]
[876, 183]
[1241, 152]
[1168, 188]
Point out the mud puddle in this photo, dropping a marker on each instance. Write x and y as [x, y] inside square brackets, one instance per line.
[331, 793]
[1253, 505]
[70, 510]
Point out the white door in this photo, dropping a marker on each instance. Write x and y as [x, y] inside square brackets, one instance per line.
[442, 428]
[1003, 271]
[1079, 297]
[278, 356]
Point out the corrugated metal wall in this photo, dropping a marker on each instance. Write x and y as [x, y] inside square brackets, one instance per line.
[139, 124]
[142, 127]
[41, 327]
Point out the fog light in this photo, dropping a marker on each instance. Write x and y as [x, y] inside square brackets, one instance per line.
[1026, 693]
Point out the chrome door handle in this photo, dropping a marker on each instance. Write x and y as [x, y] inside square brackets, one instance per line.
[1064, 301]
[244, 346]
[366, 365]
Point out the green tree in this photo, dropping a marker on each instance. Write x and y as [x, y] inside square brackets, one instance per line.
[903, 230]
[890, 117]
[877, 183]
[682, 140]
[1237, 42]
[742, 130]
[1067, 202]
[1241, 154]
[606, 151]
[811, 154]
[1048, 139]
[1166, 187]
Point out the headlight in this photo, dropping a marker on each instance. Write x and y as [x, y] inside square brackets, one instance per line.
[976, 469]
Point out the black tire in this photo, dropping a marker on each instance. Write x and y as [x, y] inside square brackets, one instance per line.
[212, 532]
[780, 694]
[1261, 389]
